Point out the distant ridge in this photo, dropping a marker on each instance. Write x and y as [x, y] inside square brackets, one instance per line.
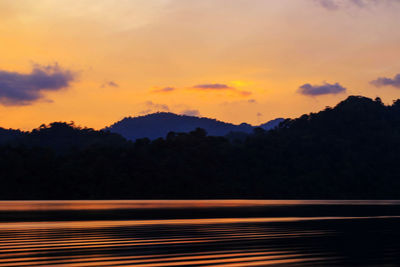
[271, 124]
[160, 124]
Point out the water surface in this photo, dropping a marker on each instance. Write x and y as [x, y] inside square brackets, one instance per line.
[199, 233]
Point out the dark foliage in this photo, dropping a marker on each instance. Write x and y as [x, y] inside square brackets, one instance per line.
[350, 151]
[271, 124]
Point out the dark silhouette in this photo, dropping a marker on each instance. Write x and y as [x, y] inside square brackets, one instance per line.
[350, 151]
[158, 125]
[271, 124]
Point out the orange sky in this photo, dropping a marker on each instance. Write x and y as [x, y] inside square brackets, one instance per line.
[234, 60]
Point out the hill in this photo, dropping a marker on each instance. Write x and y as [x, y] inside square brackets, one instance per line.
[60, 137]
[10, 135]
[350, 151]
[271, 124]
[158, 125]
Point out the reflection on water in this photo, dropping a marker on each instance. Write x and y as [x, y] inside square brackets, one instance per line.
[190, 240]
[154, 204]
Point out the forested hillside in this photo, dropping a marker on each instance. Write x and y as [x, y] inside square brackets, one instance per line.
[351, 151]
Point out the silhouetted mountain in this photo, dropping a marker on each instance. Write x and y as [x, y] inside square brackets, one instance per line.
[157, 125]
[271, 124]
[350, 151]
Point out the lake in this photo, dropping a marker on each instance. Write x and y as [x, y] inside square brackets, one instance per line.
[199, 233]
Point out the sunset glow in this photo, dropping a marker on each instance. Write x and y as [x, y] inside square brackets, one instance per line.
[233, 60]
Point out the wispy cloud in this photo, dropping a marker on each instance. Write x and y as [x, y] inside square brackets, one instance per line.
[244, 93]
[162, 107]
[191, 112]
[324, 89]
[383, 81]
[212, 86]
[154, 107]
[164, 90]
[18, 89]
[221, 87]
[328, 4]
[337, 4]
[109, 84]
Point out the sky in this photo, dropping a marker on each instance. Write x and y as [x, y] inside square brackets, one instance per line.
[97, 61]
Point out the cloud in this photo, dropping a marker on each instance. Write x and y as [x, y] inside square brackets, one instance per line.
[146, 111]
[109, 84]
[252, 101]
[221, 87]
[328, 4]
[337, 4]
[154, 107]
[245, 93]
[325, 89]
[212, 86]
[383, 81]
[191, 112]
[17, 89]
[165, 90]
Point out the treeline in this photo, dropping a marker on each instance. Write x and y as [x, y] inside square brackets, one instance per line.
[351, 151]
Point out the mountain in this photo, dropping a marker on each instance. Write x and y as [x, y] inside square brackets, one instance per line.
[160, 124]
[271, 124]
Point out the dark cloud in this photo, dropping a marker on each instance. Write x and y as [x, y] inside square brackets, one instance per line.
[212, 86]
[191, 112]
[164, 90]
[18, 89]
[325, 89]
[252, 101]
[383, 81]
[110, 84]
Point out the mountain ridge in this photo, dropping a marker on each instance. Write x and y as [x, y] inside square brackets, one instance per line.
[350, 151]
[159, 124]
